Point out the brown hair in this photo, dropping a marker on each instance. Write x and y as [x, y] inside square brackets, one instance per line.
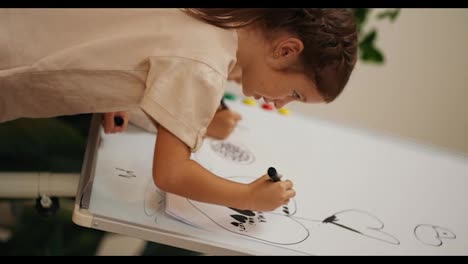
[329, 37]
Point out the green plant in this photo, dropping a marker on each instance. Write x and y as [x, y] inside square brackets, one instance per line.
[33, 235]
[369, 52]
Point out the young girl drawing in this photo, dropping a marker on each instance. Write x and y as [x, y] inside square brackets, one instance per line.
[173, 65]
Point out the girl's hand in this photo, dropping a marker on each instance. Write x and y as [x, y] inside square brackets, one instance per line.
[223, 124]
[265, 195]
[111, 121]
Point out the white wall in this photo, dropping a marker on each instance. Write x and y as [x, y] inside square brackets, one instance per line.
[421, 92]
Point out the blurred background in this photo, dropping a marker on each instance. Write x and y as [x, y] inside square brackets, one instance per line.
[420, 90]
[410, 82]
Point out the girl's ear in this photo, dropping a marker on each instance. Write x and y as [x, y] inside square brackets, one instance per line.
[286, 53]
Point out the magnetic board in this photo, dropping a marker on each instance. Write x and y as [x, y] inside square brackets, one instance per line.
[357, 192]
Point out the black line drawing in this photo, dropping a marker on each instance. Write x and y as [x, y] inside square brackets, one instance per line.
[127, 174]
[244, 212]
[253, 224]
[432, 235]
[288, 210]
[232, 152]
[363, 223]
[153, 200]
[246, 222]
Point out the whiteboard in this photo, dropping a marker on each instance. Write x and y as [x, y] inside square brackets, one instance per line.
[357, 192]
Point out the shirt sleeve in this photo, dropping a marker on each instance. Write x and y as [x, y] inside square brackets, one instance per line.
[182, 95]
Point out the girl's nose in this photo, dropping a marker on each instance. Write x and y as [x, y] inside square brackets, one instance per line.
[279, 103]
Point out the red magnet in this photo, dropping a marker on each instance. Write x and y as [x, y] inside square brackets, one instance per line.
[267, 106]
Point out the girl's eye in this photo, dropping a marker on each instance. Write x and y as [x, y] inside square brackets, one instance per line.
[296, 95]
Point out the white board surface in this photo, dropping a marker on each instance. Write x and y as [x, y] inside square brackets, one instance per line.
[357, 192]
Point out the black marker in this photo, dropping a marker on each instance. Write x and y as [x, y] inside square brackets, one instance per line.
[223, 105]
[118, 120]
[274, 176]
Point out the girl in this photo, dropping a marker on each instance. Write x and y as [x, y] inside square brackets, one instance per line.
[173, 64]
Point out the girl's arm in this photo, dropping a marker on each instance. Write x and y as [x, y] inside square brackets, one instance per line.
[175, 172]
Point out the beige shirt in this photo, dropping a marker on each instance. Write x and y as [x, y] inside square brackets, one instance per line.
[70, 61]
